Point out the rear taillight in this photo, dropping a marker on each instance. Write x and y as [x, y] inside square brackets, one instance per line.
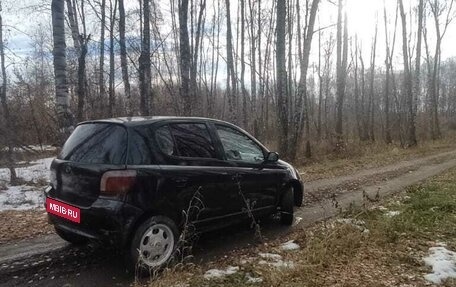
[117, 182]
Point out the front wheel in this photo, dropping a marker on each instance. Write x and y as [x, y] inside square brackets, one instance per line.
[153, 244]
[287, 207]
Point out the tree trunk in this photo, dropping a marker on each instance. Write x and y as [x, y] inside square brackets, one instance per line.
[243, 90]
[231, 87]
[371, 86]
[64, 115]
[123, 58]
[82, 77]
[6, 113]
[185, 57]
[281, 79]
[411, 130]
[145, 63]
[342, 47]
[101, 79]
[112, 92]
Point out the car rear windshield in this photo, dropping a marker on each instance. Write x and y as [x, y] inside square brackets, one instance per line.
[96, 143]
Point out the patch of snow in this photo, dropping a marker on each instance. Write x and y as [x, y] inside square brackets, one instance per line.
[36, 171]
[297, 220]
[278, 263]
[32, 147]
[217, 273]
[358, 224]
[271, 256]
[21, 198]
[289, 245]
[252, 280]
[392, 213]
[443, 263]
[25, 197]
[275, 260]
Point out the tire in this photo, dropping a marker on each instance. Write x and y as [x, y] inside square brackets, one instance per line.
[298, 198]
[71, 237]
[155, 239]
[287, 207]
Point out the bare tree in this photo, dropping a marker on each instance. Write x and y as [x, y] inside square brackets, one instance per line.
[145, 63]
[6, 112]
[65, 118]
[302, 114]
[411, 130]
[185, 56]
[112, 91]
[371, 109]
[342, 53]
[101, 79]
[389, 46]
[438, 9]
[123, 57]
[282, 96]
[231, 88]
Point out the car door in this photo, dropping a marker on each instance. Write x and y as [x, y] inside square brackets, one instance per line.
[255, 181]
[193, 171]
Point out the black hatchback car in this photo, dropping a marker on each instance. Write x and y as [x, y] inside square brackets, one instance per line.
[132, 181]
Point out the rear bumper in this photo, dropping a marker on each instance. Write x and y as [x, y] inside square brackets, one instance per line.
[106, 220]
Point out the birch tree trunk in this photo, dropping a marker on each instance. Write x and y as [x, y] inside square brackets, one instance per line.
[65, 118]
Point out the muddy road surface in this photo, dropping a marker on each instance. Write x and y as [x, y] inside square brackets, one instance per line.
[49, 261]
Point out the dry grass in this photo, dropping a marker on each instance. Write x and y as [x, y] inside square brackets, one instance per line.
[325, 163]
[377, 251]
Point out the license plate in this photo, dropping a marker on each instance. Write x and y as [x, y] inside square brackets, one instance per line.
[63, 210]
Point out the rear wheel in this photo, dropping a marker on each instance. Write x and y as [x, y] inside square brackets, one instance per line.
[153, 244]
[287, 208]
[71, 237]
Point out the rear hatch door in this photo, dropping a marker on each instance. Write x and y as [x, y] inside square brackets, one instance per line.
[91, 150]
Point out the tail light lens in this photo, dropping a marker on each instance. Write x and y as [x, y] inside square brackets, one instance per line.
[117, 182]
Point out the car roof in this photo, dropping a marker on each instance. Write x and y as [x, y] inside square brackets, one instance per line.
[138, 121]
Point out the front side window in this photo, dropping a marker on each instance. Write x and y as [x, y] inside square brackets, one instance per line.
[238, 146]
[192, 140]
[96, 143]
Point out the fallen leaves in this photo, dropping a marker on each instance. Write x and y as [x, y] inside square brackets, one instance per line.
[18, 225]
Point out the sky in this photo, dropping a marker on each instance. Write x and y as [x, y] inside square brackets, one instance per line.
[22, 17]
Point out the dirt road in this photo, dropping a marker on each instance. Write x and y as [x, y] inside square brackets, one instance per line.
[48, 261]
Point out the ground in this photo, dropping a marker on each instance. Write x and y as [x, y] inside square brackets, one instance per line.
[374, 245]
[367, 180]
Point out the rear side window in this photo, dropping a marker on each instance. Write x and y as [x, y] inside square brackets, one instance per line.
[192, 140]
[140, 146]
[98, 143]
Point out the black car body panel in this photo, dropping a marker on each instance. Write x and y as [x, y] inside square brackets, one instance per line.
[174, 159]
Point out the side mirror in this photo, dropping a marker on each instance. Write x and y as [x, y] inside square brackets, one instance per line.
[272, 157]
